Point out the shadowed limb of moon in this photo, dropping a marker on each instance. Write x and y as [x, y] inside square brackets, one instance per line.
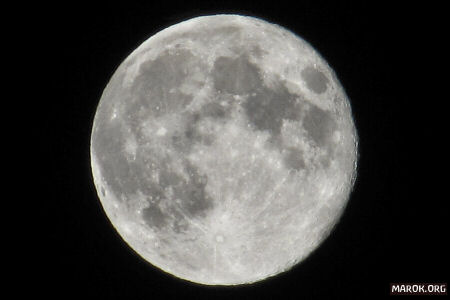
[223, 150]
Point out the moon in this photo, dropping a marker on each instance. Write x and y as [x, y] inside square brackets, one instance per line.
[224, 150]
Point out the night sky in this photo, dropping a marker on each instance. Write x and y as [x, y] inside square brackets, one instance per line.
[388, 59]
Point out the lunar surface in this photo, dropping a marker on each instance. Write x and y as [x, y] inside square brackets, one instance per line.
[223, 150]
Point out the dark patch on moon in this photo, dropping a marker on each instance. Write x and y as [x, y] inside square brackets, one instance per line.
[195, 199]
[257, 51]
[213, 110]
[161, 94]
[315, 80]
[293, 159]
[319, 125]
[180, 142]
[267, 107]
[187, 196]
[235, 75]
[325, 160]
[126, 178]
[154, 217]
[193, 136]
[183, 141]
[179, 223]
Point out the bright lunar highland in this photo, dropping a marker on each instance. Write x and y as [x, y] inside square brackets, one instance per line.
[224, 150]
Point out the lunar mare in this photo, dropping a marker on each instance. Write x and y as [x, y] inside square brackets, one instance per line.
[223, 150]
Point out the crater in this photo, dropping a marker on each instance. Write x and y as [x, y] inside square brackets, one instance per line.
[315, 80]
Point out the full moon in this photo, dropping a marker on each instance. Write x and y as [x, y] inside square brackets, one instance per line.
[224, 150]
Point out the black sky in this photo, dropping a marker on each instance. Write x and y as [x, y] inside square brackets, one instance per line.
[396, 223]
